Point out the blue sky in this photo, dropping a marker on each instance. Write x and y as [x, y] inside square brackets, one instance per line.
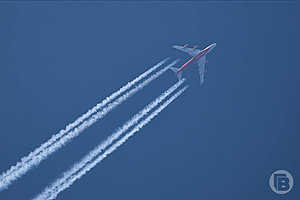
[222, 140]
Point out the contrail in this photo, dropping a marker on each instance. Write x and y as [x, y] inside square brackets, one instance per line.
[82, 118]
[134, 120]
[35, 160]
[60, 185]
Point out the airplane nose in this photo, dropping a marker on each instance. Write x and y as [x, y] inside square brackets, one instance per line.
[213, 46]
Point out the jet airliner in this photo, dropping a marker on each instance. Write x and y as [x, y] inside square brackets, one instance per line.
[198, 56]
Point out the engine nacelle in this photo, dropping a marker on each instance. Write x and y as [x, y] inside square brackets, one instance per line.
[195, 47]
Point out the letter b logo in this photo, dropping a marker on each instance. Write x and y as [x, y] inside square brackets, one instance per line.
[281, 182]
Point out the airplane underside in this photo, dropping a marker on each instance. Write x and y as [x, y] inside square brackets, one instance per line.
[198, 57]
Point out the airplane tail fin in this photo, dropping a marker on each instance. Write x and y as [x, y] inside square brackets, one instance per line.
[178, 74]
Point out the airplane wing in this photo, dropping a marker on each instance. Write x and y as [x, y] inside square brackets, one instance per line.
[190, 51]
[201, 63]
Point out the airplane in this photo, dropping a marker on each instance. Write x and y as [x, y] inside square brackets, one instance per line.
[198, 56]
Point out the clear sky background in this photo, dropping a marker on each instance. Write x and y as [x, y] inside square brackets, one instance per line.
[220, 141]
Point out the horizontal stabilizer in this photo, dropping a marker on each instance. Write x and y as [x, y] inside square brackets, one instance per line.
[178, 74]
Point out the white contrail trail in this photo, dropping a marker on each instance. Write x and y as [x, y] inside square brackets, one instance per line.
[6, 181]
[52, 191]
[134, 120]
[81, 119]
